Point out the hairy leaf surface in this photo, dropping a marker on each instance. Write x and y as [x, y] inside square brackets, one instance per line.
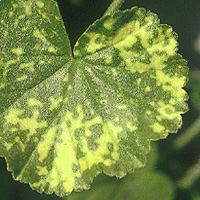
[64, 118]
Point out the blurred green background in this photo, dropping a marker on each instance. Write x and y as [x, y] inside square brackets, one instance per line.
[173, 167]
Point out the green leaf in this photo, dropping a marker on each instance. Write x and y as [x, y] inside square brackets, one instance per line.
[65, 119]
[147, 184]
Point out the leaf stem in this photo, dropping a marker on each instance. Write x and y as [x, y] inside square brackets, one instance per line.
[188, 135]
[114, 6]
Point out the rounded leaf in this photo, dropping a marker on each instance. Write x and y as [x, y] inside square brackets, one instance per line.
[64, 119]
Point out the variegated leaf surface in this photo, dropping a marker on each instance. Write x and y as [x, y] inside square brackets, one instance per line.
[64, 118]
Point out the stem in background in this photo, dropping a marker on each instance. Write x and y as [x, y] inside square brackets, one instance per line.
[188, 135]
[114, 6]
[190, 177]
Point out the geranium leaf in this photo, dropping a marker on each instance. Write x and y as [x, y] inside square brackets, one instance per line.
[65, 119]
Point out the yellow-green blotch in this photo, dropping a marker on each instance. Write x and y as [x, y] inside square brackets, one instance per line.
[157, 127]
[18, 51]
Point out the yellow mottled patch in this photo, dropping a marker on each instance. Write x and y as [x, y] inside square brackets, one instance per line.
[160, 45]
[110, 133]
[21, 144]
[157, 127]
[55, 33]
[152, 103]
[55, 102]
[14, 5]
[172, 84]
[29, 66]
[22, 16]
[16, 140]
[42, 171]
[109, 23]
[148, 112]
[40, 4]
[88, 124]
[131, 100]
[46, 143]
[30, 124]
[37, 47]
[14, 129]
[114, 72]
[28, 7]
[36, 140]
[27, 22]
[38, 34]
[18, 51]
[139, 81]
[6, 69]
[109, 59]
[5, 34]
[53, 178]
[41, 62]
[8, 145]
[65, 100]
[127, 37]
[174, 81]
[76, 51]
[123, 38]
[51, 49]
[116, 119]
[69, 87]
[22, 78]
[3, 22]
[34, 102]
[44, 16]
[92, 46]
[147, 89]
[172, 101]
[13, 116]
[130, 126]
[2, 85]
[66, 78]
[36, 184]
[167, 111]
[17, 20]
[11, 14]
[63, 163]
[121, 106]
[92, 111]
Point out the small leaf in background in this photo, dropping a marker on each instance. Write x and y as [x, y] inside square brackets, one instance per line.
[65, 119]
[149, 185]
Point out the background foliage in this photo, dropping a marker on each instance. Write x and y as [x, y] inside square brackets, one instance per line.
[173, 170]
